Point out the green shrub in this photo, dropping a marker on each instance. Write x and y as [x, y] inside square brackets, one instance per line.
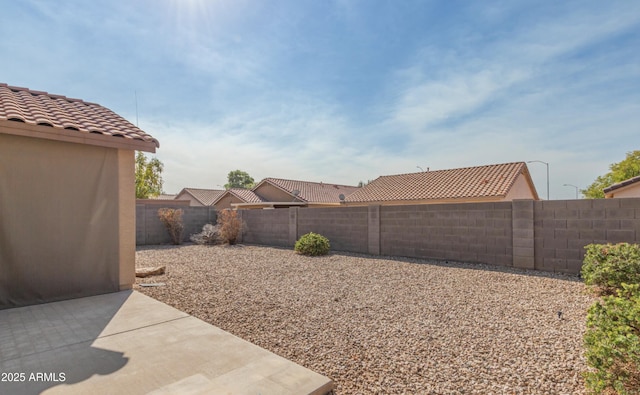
[607, 266]
[612, 342]
[172, 220]
[312, 244]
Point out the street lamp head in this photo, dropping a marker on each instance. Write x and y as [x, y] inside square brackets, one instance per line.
[538, 161]
[574, 186]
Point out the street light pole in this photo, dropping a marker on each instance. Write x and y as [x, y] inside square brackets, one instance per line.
[571, 185]
[547, 164]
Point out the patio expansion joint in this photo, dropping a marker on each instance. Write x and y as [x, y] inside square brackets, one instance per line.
[143, 327]
[94, 339]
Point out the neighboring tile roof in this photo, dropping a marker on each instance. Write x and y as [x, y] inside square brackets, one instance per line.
[311, 192]
[468, 182]
[164, 196]
[246, 195]
[74, 115]
[206, 197]
[621, 184]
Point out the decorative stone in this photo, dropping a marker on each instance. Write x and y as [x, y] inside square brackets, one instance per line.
[150, 271]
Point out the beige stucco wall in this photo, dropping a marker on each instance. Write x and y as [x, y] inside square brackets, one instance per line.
[273, 194]
[520, 189]
[127, 218]
[60, 211]
[628, 191]
[225, 202]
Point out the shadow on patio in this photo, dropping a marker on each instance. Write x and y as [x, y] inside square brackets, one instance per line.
[126, 342]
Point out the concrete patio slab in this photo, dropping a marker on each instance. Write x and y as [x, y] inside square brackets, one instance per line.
[128, 343]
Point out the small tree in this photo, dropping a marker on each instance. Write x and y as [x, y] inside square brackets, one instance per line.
[229, 226]
[148, 176]
[623, 170]
[239, 179]
[172, 220]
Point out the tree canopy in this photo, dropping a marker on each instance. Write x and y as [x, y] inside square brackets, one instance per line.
[239, 179]
[623, 170]
[148, 176]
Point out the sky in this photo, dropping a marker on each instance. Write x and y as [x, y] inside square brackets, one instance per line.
[342, 91]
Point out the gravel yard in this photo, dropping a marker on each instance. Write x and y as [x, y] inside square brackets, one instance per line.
[386, 325]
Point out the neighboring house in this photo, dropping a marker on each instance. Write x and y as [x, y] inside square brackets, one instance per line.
[234, 196]
[67, 197]
[200, 197]
[280, 193]
[491, 183]
[624, 189]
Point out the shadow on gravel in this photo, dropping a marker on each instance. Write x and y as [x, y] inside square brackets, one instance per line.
[467, 265]
[148, 247]
[419, 261]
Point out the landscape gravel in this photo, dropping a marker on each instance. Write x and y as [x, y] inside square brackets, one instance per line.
[383, 325]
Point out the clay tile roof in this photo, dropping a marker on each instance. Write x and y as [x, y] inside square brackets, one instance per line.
[467, 182]
[246, 195]
[312, 192]
[206, 197]
[621, 184]
[60, 112]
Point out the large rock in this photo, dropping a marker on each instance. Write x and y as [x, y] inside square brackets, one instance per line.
[150, 271]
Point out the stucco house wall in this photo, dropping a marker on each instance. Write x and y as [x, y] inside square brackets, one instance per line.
[626, 189]
[67, 230]
[521, 189]
[225, 202]
[628, 192]
[67, 198]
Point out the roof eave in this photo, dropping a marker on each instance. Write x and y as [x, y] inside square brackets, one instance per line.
[63, 135]
[215, 201]
[266, 180]
[622, 184]
[268, 204]
[398, 202]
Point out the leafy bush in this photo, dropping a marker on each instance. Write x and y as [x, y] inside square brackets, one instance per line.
[613, 342]
[172, 220]
[312, 244]
[607, 266]
[229, 225]
[210, 235]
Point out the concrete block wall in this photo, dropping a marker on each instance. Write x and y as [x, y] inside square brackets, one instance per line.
[522, 214]
[268, 227]
[149, 229]
[563, 228]
[542, 235]
[345, 227]
[473, 232]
